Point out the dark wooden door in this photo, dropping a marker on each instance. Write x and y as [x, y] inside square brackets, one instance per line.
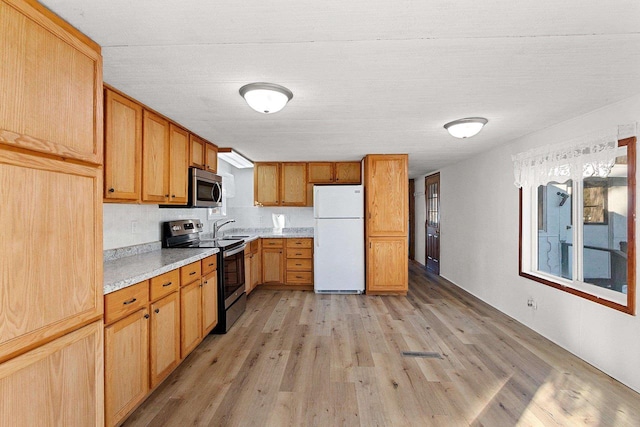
[432, 241]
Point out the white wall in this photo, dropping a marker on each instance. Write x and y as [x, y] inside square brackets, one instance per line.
[479, 251]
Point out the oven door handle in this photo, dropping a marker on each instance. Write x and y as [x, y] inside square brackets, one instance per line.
[234, 251]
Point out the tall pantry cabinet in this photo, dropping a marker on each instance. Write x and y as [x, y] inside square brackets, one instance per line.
[51, 354]
[386, 183]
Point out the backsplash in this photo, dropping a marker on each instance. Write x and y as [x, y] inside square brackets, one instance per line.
[261, 217]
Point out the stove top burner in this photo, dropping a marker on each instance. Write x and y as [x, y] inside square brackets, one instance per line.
[185, 233]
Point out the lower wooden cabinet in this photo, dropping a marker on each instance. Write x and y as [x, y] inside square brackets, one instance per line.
[299, 265]
[273, 265]
[190, 317]
[59, 383]
[248, 263]
[164, 350]
[126, 363]
[209, 302]
[256, 264]
[387, 265]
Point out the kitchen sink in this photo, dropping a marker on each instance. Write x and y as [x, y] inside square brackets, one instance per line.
[236, 236]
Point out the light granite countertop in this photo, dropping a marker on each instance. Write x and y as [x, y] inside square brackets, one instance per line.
[122, 272]
[127, 266]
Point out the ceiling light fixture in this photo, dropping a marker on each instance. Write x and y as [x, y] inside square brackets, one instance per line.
[234, 158]
[266, 98]
[465, 128]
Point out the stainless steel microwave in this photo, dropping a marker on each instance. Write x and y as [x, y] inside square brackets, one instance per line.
[205, 189]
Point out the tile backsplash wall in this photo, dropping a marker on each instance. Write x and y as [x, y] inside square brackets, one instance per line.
[255, 217]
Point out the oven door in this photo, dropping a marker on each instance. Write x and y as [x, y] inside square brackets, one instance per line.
[233, 280]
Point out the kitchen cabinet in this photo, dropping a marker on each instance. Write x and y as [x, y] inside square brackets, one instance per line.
[273, 265]
[178, 165]
[256, 263]
[126, 344]
[334, 172]
[386, 211]
[155, 158]
[58, 383]
[248, 261]
[165, 337]
[209, 302]
[204, 155]
[190, 317]
[387, 265]
[122, 148]
[211, 157]
[51, 85]
[280, 184]
[299, 262]
[51, 139]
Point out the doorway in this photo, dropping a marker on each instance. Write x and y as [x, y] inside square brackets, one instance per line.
[432, 241]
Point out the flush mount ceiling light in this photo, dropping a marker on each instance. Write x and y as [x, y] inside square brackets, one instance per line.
[466, 128]
[234, 158]
[266, 98]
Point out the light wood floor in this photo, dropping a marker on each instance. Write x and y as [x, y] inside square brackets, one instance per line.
[300, 359]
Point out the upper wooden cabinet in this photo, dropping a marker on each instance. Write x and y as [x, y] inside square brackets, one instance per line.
[51, 84]
[266, 184]
[280, 184]
[178, 165]
[155, 158]
[203, 154]
[386, 195]
[334, 172]
[123, 148]
[348, 173]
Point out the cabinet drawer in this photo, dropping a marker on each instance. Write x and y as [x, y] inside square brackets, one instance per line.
[298, 253]
[272, 243]
[209, 264]
[190, 273]
[125, 301]
[299, 264]
[165, 284]
[300, 277]
[299, 243]
[255, 246]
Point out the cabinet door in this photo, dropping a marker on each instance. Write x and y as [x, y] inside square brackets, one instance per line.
[320, 172]
[248, 259]
[126, 365]
[209, 302]
[211, 157]
[51, 85]
[196, 158]
[348, 173]
[59, 383]
[293, 185]
[273, 265]
[122, 147]
[387, 195]
[50, 271]
[155, 158]
[387, 264]
[256, 266]
[190, 318]
[266, 185]
[165, 337]
[178, 165]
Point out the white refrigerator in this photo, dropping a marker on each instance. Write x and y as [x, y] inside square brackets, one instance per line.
[338, 256]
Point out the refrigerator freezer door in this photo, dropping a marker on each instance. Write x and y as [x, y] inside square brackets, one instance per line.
[338, 201]
[338, 256]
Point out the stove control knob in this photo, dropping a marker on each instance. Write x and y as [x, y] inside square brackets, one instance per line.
[175, 228]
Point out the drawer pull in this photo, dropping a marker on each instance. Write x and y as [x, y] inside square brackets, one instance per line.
[146, 316]
[167, 284]
[157, 310]
[299, 265]
[211, 265]
[192, 273]
[298, 243]
[132, 300]
[298, 253]
[298, 277]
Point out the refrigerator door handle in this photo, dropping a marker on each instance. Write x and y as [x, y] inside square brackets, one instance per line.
[316, 236]
[316, 202]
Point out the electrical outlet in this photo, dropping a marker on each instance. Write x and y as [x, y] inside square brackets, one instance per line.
[134, 227]
[531, 303]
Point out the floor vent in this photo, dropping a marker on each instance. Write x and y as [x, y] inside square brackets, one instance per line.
[427, 354]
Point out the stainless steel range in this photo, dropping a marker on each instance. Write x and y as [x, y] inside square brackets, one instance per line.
[232, 299]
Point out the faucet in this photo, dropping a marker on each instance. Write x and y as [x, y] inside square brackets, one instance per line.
[217, 227]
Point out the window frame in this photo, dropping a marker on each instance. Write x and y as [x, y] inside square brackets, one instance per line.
[570, 286]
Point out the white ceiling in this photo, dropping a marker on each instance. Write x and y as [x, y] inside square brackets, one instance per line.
[368, 76]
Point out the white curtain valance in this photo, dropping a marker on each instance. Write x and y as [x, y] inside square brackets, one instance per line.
[591, 155]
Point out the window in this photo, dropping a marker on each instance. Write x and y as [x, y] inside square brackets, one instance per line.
[578, 235]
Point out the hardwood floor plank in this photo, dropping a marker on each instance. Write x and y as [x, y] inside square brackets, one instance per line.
[296, 358]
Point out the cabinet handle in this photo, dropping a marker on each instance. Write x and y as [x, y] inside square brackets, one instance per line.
[173, 195]
[192, 273]
[298, 277]
[298, 243]
[211, 265]
[146, 316]
[167, 284]
[112, 190]
[299, 265]
[130, 301]
[157, 310]
[166, 195]
[206, 282]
